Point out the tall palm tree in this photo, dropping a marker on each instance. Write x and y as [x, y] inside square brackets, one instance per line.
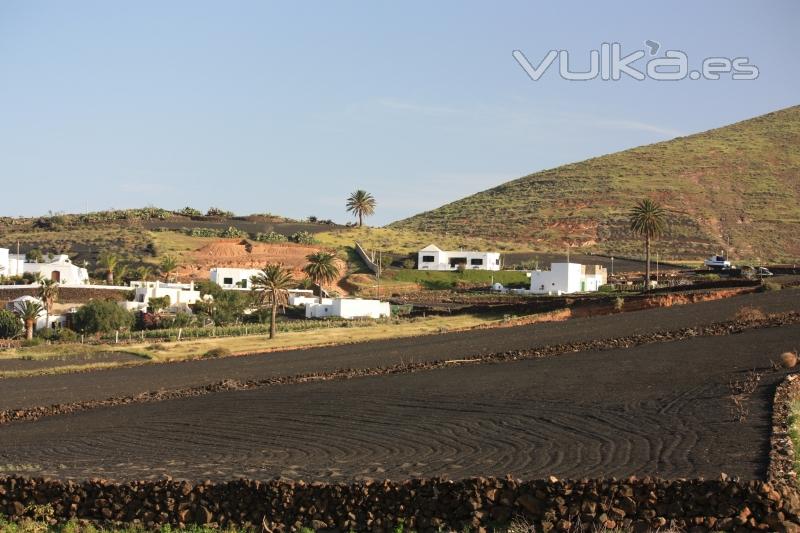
[168, 265]
[108, 262]
[272, 285]
[121, 272]
[29, 312]
[647, 219]
[321, 269]
[48, 294]
[361, 204]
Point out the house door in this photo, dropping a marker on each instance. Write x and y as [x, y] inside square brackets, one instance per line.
[55, 276]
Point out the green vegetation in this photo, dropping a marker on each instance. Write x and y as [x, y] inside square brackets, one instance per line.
[41, 525]
[647, 220]
[10, 325]
[736, 184]
[271, 286]
[449, 280]
[102, 316]
[321, 268]
[794, 432]
[361, 204]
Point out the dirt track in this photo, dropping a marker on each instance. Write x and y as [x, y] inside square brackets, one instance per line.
[660, 409]
[47, 390]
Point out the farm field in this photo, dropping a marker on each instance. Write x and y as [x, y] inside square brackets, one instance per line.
[662, 408]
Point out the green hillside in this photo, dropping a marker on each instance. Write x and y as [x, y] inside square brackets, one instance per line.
[736, 187]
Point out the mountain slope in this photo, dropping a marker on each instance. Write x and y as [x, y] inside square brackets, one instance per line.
[736, 187]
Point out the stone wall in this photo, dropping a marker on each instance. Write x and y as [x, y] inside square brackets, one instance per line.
[422, 504]
[77, 295]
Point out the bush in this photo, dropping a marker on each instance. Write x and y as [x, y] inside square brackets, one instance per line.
[30, 343]
[66, 335]
[302, 237]
[771, 286]
[409, 264]
[217, 352]
[190, 212]
[232, 232]
[608, 287]
[10, 325]
[271, 237]
[748, 313]
[102, 316]
[619, 303]
[217, 212]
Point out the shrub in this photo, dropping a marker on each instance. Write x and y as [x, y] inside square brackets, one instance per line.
[302, 237]
[217, 212]
[708, 277]
[10, 325]
[409, 264]
[771, 286]
[608, 287]
[156, 304]
[748, 313]
[271, 237]
[232, 232]
[66, 335]
[30, 343]
[190, 212]
[102, 316]
[619, 303]
[217, 352]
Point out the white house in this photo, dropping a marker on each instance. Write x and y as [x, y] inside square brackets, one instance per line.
[348, 308]
[233, 278]
[433, 258]
[58, 268]
[302, 297]
[566, 278]
[55, 319]
[181, 295]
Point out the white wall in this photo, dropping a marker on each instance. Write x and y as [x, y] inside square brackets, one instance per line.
[181, 295]
[566, 278]
[228, 278]
[348, 308]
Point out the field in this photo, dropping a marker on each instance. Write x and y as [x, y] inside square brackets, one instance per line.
[670, 421]
[731, 188]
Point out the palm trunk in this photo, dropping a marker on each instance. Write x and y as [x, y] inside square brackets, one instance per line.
[360, 220]
[647, 268]
[110, 278]
[272, 324]
[29, 329]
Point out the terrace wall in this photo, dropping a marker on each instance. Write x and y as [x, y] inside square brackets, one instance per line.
[423, 504]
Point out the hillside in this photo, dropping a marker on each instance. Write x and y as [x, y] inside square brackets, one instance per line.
[736, 187]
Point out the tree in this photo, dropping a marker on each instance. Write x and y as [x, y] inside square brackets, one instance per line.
[29, 312]
[144, 273]
[48, 294]
[10, 325]
[156, 304]
[361, 204]
[648, 220]
[121, 272]
[272, 285]
[168, 265]
[102, 316]
[321, 269]
[34, 256]
[108, 262]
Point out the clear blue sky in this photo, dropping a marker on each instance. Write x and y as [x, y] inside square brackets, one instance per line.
[259, 106]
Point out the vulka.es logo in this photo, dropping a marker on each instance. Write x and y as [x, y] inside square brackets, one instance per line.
[608, 63]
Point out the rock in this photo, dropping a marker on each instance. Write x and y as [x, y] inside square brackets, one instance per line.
[530, 504]
[788, 359]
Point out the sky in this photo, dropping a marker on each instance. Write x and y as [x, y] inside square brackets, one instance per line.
[287, 107]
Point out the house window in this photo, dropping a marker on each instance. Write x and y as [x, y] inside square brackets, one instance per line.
[427, 259]
[227, 281]
[476, 262]
[455, 262]
[497, 261]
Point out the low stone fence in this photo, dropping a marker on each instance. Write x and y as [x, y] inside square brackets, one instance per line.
[69, 294]
[420, 504]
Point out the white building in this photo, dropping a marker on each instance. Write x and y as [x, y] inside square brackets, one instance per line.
[233, 278]
[55, 320]
[181, 295]
[348, 308]
[58, 268]
[433, 258]
[566, 278]
[302, 297]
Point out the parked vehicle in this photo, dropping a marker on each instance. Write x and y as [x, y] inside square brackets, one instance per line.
[717, 262]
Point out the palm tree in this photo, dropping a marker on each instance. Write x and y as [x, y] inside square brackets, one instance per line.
[647, 219]
[48, 294]
[321, 269]
[271, 285]
[29, 312]
[168, 265]
[108, 262]
[121, 272]
[144, 272]
[361, 204]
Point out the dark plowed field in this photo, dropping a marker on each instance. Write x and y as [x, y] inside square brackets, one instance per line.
[47, 390]
[660, 409]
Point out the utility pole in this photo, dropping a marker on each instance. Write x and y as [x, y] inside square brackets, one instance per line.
[612, 265]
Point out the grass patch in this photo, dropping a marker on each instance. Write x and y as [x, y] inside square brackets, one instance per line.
[794, 432]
